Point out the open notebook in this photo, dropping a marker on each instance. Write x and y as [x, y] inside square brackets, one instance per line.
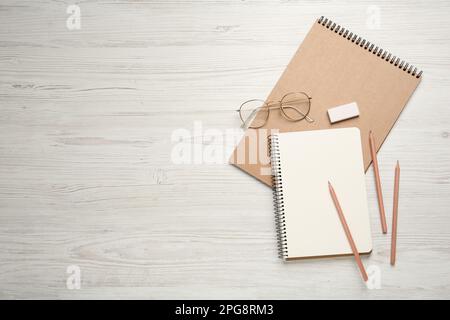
[307, 222]
[335, 66]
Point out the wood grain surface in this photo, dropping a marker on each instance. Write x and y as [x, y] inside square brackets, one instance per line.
[86, 172]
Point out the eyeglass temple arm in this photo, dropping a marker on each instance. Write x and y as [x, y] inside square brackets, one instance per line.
[250, 117]
[276, 106]
[246, 123]
[307, 118]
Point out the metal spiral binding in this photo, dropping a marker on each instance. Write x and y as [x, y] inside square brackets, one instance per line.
[366, 45]
[278, 200]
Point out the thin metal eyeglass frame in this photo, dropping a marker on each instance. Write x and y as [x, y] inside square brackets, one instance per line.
[276, 105]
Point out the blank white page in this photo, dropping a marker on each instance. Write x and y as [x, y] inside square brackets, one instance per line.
[308, 160]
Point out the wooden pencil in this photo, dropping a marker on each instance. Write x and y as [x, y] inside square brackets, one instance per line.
[376, 171]
[395, 214]
[348, 233]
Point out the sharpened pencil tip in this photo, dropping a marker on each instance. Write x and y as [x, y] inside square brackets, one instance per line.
[330, 186]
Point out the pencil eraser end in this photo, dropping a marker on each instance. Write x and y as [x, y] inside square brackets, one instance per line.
[344, 112]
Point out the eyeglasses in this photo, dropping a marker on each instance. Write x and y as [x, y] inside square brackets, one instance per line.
[294, 106]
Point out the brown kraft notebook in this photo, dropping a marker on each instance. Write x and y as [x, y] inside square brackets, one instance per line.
[334, 66]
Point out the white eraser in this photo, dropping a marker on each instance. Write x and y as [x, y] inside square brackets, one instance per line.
[344, 112]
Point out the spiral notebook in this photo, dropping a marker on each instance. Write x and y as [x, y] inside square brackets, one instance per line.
[306, 218]
[335, 66]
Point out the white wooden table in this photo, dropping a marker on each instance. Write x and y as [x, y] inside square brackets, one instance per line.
[86, 177]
